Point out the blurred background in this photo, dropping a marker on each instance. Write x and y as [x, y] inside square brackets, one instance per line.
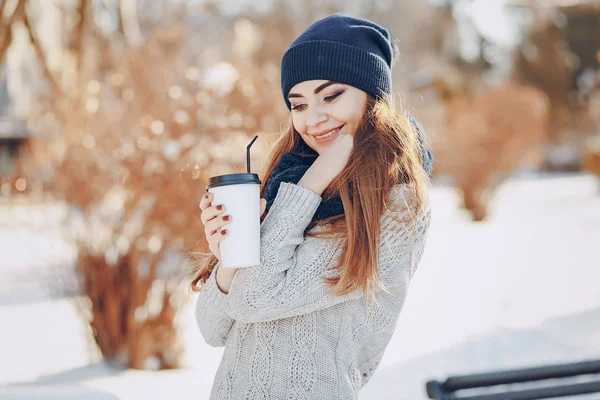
[114, 113]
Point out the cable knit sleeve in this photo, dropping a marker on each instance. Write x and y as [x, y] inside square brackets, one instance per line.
[289, 281]
[212, 320]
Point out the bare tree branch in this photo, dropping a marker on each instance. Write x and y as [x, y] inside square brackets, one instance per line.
[40, 55]
[6, 26]
[2, 6]
[5, 42]
[129, 21]
[77, 42]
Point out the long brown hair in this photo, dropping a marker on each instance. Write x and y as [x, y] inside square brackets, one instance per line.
[386, 153]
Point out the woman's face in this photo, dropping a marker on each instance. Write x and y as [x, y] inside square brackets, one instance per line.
[321, 109]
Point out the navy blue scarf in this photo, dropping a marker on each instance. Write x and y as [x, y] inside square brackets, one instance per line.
[291, 167]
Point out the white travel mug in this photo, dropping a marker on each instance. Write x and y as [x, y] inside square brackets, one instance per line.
[240, 195]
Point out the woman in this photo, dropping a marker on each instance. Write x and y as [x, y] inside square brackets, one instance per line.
[345, 228]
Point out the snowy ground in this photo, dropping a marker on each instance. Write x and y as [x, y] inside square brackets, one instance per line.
[521, 289]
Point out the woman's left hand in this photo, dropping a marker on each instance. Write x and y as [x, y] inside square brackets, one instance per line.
[336, 156]
[329, 164]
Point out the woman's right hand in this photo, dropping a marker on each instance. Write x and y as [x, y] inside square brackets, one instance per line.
[213, 219]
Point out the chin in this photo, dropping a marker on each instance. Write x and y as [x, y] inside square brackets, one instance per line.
[320, 149]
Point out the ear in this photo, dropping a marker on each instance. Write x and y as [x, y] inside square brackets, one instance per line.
[263, 206]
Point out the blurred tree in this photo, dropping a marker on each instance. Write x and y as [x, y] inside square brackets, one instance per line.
[136, 104]
[559, 55]
[488, 136]
[485, 125]
[139, 107]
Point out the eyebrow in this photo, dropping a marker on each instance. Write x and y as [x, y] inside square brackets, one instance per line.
[317, 90]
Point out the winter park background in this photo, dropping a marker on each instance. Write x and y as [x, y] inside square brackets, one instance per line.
[113, 114]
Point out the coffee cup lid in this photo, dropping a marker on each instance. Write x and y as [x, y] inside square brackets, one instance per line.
[232, 179]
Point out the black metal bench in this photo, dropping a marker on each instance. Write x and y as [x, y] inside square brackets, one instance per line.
[584, 379]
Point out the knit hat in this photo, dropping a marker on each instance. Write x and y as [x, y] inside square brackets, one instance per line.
[343, 49]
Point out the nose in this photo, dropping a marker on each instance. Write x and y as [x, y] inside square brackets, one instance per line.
[315, 116]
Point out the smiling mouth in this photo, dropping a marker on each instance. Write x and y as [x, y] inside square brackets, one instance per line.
[329, 134]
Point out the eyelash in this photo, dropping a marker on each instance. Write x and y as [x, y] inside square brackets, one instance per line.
[334, 96]
[328, 99]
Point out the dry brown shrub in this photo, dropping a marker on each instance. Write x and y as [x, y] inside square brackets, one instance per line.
[487, 137]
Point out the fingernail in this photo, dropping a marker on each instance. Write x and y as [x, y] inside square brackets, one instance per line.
[224, 232]
[220, 207]
[226, 218]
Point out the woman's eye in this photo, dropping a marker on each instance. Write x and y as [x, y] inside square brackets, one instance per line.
[298, 107]
[333, 96]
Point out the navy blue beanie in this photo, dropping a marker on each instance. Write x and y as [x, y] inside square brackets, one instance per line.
[343, 49]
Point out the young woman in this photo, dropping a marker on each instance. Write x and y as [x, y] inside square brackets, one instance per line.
[347, 215]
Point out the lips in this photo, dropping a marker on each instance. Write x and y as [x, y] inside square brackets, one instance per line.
[327, 134]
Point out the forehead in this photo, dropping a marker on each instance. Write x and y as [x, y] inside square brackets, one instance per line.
[308, 87]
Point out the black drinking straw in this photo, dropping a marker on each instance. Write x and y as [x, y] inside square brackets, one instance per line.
[248, 153]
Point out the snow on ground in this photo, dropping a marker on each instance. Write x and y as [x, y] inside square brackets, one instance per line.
[520, 289]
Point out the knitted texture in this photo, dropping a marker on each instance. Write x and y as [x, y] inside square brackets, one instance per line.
[285, 335]
[344, 49]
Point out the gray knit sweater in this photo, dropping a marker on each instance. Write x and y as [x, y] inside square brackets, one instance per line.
[285, 335]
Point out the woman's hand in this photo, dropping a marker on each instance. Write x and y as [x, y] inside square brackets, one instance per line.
[328, 165]
[214, 218]
[214, 221]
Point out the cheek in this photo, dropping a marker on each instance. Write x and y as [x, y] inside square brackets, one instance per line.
[299, 123]
[351, 118]
[350, 112]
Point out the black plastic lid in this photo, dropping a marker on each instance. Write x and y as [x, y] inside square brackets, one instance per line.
[232, 179]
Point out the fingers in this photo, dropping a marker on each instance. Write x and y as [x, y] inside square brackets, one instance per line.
[208, 211]
[216, 224]
[214, 240]
[211, 212]
[206, 201]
